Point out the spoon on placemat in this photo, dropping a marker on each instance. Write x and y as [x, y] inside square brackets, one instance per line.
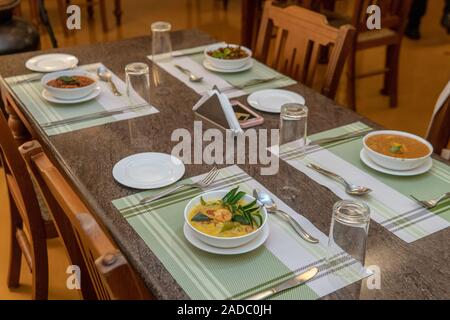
[106, 75]
[192, 77]
[271, 207]
[350, 188]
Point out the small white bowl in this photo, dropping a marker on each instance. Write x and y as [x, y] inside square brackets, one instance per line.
[392, 162]
[227, 64]
[222, 242]
[69, 94]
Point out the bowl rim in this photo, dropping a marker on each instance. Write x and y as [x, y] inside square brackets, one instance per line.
[53, 75]
[224, 238]
[219, 45]
[400, 133]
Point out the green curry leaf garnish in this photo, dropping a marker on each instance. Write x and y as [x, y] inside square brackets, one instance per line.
[396, 148]
[200, 217]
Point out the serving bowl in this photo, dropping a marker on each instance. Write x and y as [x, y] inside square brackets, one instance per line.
[69, 93]
[227, 64]
[223, 242]
[393, 163]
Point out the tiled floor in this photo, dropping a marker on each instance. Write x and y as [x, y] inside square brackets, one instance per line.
[424, 71]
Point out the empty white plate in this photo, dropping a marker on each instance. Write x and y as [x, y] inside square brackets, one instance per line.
[245, 67]
[271, 100]
[52, 62]
[419, 170]
[148, 170]
[250, 246]
[47, 96]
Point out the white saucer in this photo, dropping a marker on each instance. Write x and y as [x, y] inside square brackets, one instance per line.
[419, 170]
[149, 170]
[252, 245]
[245, 67]
[271, 100]
[47, 96]
[52, 62]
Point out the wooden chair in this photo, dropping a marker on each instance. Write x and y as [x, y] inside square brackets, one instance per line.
[28, 231]
[294, 51]
[88, 245]
[394, 15]
[439, 133]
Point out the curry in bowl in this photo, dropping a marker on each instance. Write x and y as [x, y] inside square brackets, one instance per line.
[70, 82]
[228, 53]
[228, 217]
[397, 146]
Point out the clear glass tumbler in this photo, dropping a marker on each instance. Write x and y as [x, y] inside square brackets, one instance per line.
[161, 43]
[348, 232]
[138, 82]
[293, 124]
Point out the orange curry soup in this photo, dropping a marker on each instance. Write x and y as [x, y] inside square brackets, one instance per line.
[397, 146]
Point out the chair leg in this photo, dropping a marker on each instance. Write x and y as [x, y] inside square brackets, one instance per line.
[15, 254]
[103, 15]
[40, 272]
[351, 78]
[62, 6]
[118, 12]
[391, 77]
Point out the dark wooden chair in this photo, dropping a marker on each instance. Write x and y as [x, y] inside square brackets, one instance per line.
[439, 132]
[295, 49]
[28, 228]
[88, 245]
[394, 15]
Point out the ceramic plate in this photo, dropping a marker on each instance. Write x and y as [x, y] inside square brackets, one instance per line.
[250, 246]
[419, 170]
[210, 67]
[47, 96]
[52, 62]
[148, 170]
[271, 100]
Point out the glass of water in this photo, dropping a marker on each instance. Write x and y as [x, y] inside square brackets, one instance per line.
[348, 232]
[293, 124]
[161, 43]
[138, 82]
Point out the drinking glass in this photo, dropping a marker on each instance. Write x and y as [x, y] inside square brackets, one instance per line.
[138, 82]
[348, 232]
[161, 44]
[293, 124]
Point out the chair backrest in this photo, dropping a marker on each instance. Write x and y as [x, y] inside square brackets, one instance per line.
[295, 48]
[110, 275]
[25, 210]
[439, 133]
[393, 14]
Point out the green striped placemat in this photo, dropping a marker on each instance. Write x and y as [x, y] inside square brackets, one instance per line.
[390, 202]
[30, 94]
[204, 275]
[194, 62]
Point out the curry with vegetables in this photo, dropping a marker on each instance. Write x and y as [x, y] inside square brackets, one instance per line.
[227, 217]
[70, 82]
[228, 53]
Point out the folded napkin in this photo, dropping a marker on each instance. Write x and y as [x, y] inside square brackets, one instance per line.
[208, 276]
[390, 202]
[30, 94]
[228, 83]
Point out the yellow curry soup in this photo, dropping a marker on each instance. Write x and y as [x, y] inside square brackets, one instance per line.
[397, 146]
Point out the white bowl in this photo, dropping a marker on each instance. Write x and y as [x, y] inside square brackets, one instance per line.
[392, 162]
[222, 242]
[226, 64]
[69, 94]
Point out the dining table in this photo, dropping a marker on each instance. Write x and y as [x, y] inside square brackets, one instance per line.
[85, 157]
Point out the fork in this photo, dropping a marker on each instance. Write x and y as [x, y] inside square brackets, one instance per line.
[430, 204]
[202, 184]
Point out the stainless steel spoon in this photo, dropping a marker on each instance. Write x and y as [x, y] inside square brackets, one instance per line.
[350, 188]
[192, 77]
[106, 75]
[430, 204]
[271, 207]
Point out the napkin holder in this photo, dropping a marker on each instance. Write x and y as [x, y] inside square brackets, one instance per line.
[215, 107]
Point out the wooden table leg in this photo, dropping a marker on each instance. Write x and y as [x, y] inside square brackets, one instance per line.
[16, 126]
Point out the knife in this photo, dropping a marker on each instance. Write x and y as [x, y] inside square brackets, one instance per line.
[288, 284]
[342, 137]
